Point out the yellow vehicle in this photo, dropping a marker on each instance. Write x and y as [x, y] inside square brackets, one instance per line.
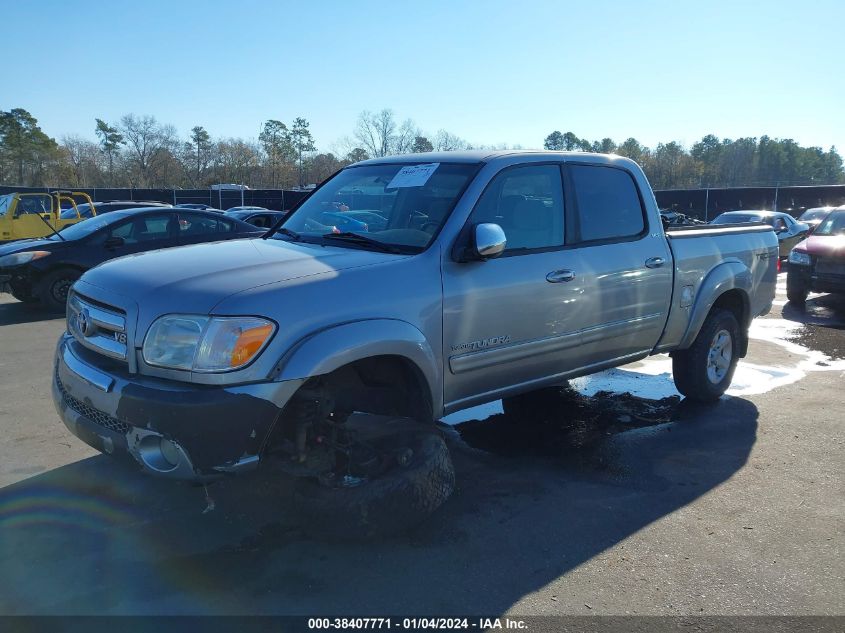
[27, 215]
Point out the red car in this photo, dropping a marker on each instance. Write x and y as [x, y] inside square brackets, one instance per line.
[818, 263]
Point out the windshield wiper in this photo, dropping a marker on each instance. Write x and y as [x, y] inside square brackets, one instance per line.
[363, 240]
[50, 226]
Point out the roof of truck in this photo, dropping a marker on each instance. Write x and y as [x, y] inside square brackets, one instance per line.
[472, 156]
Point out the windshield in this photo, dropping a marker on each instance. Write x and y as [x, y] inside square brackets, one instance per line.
[814, 214]
[732, 218]
[833, 224]
[400, 205]
[6, 203]
[84, 228]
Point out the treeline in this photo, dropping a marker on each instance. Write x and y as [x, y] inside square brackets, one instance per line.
[714, 162]
[139, 151]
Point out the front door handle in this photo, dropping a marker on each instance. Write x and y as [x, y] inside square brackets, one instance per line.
[557, 276]
[654, 262]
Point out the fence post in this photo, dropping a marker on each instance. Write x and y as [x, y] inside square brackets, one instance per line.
[174, 197]
[777, 186]
[707, 205]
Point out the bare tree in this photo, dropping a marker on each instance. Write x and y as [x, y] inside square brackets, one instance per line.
[82, 156]
[146, 139]
[375, 132]
[446, 142]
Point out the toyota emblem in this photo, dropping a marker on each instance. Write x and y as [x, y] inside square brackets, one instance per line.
[83, 322]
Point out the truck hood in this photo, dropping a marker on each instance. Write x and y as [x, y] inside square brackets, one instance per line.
[194, 279]
[823, 245]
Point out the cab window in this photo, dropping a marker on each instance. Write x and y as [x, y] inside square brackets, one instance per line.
[527, 202]
[609, 206]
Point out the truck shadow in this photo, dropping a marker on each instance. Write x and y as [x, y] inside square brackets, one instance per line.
[13, 312]
[95, 537]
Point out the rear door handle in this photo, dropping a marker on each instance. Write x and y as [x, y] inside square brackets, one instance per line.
[557, 276]
[654, 262]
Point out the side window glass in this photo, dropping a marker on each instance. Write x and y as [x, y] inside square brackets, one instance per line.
[225, 226]
[527, 202]
[191, 224]
[143, 229]
[608, 204]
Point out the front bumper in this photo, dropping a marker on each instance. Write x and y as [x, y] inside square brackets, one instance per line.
[170, 429]
[818, 282]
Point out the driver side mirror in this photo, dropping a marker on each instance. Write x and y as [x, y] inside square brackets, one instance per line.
[489, 241]
[113, 242]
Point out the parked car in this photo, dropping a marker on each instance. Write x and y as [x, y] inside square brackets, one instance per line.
[229, 186]
[246, 208]
[263, 219]
[788, 230]
[338, 351]
[374, 221]
[812, 217]
[43, 270]
[199, 207]
[96, 208]
[342, 220]
[818, 263]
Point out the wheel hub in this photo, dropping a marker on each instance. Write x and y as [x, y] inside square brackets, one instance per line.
[719, 356]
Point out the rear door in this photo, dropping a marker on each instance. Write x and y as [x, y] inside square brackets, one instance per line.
[624, 266]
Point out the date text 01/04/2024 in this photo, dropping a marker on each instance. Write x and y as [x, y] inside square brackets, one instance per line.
[415, 624]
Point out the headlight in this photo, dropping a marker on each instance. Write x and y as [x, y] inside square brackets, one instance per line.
[16, 259]
[206, 344]
[797, 257]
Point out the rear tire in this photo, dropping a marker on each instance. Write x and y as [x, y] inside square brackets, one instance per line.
[396, 501]
[55, 286]
[704, 371]
[796, 289]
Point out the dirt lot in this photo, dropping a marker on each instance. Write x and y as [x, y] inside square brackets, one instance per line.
[617, 506]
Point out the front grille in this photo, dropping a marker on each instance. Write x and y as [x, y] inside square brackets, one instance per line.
[95, 415]
[828, 266]
[98, 327]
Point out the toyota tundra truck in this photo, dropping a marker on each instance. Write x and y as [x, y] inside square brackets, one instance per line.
[331, 353]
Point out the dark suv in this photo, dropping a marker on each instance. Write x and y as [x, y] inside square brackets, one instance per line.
[818, 263]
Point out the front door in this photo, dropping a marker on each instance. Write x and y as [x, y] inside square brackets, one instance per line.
[509, 321]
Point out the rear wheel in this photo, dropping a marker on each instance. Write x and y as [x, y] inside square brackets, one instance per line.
[55, 286]
[796, 289]
[705, 370]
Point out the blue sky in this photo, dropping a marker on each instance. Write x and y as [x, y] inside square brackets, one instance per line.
[491, 72]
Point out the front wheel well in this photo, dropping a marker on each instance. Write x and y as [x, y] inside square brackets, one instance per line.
[384, 385]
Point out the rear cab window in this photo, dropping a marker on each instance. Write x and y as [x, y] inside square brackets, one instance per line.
[608, 202]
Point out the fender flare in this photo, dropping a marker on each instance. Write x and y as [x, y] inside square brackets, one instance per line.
[724, 277]
[327, 350]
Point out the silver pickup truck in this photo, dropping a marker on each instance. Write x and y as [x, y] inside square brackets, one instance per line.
[401, 290]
